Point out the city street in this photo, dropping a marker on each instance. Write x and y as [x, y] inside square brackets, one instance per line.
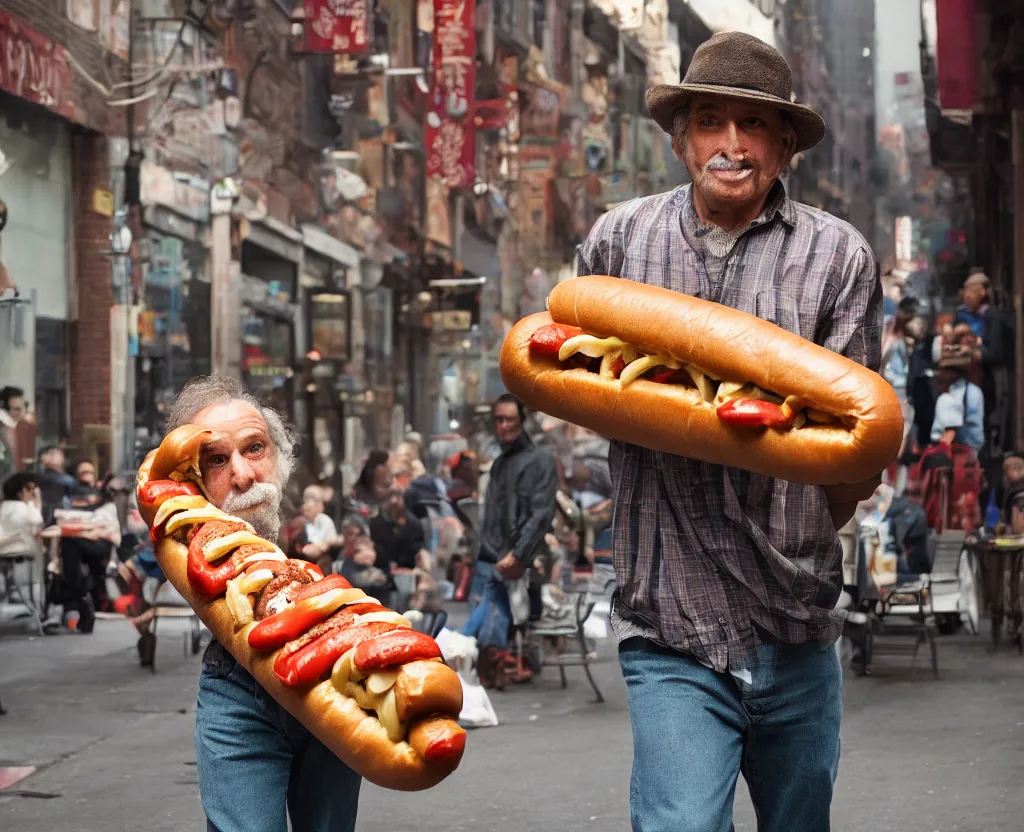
[112, 747]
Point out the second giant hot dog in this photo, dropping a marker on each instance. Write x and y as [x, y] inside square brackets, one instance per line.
[370, 688]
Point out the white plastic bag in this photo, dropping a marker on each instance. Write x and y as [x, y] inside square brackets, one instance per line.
[595, 627]
[519, 600]
[460, 653]
[477, 711]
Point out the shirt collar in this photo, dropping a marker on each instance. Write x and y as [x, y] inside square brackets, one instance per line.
[777, 205]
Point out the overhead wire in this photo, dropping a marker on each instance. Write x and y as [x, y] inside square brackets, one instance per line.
[154, 75]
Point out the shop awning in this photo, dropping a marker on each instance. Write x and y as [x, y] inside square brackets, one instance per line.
[318, 240]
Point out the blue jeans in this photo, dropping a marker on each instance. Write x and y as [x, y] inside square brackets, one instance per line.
[255, 759]
[490, 612]
[695, 731]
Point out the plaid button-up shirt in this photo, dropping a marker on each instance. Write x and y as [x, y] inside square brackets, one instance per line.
[710, 560]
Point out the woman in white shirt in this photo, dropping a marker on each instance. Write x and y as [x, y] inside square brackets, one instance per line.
[21, 516]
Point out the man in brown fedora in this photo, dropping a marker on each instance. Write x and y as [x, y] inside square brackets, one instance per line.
[728, 581]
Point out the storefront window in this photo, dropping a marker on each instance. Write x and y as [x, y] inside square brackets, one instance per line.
[174, 326]
[51, 379]
[377, 324]
[328, 325]
[267, 357]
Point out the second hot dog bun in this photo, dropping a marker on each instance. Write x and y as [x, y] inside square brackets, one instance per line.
[726, 344]
[355, 736]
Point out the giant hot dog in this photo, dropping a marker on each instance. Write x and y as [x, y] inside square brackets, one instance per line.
[673, 373]
[369, 687]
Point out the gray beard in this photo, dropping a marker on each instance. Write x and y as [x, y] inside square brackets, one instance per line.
[260, 506]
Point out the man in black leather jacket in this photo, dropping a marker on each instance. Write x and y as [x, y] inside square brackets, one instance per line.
[519, 506]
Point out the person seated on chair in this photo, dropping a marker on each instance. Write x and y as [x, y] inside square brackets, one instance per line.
[960, 408]
[321, 536]
[85, 550]
[361, 570]
[1011, 522]
[21, 516]
[54, 482]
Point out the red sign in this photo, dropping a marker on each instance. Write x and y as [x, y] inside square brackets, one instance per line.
[450, 132]
[339, 26]
[34, 67]
[956, 56]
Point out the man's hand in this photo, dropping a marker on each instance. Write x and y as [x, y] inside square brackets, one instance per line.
[509, 567]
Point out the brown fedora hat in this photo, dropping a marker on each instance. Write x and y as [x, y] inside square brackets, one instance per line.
[735, 65]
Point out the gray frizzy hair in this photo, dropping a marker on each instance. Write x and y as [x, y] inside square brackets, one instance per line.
[202, 392]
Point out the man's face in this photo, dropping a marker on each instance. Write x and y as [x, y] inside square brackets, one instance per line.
[53, 459]
[974, 295]
[1013, 470]
[87, 474]
[734, 151]
[311, 509]
[395, 505]
[507, 425]
[16, 407]
[240, 465]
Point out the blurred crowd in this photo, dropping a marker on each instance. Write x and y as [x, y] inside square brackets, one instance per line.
[953, 374]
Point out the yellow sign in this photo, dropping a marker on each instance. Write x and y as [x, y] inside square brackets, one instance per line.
[103, 203]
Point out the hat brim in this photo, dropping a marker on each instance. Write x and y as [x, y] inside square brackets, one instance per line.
[665, 100]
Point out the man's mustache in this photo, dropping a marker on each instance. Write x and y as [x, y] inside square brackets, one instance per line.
[259, 493]
[721, 162]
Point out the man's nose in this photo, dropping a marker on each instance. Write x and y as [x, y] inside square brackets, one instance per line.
[734, 143]
[242, 475]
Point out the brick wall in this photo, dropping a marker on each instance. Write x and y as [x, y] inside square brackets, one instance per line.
[90, 334]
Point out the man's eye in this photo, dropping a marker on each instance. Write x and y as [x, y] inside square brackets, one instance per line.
[707, 121]
[256, 448]
[754, 121]
[217, 460]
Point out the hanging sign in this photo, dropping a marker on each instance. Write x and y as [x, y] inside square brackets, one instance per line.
[449, 131]
[34, 67]
[339, 26]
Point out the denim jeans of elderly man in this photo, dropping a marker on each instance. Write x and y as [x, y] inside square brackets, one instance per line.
[695, 731]
[278, 765]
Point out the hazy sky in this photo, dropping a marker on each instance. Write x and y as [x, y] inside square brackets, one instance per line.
[897, 35]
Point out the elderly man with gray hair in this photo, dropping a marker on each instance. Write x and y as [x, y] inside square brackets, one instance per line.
[728, 581]
[257, 764]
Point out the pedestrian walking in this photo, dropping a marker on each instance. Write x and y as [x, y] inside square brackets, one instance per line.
[519, 505]
[258, 766]
[728, 580]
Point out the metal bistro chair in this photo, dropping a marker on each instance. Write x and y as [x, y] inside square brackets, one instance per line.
[21, 592]
[582, 602]
[907, 610]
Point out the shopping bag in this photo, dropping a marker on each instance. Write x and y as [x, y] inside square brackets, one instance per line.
[519, 600]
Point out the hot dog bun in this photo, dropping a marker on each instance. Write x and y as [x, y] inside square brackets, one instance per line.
[355, 736]
[726, 344]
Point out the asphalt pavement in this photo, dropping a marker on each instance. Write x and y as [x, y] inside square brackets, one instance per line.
[108, 746]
